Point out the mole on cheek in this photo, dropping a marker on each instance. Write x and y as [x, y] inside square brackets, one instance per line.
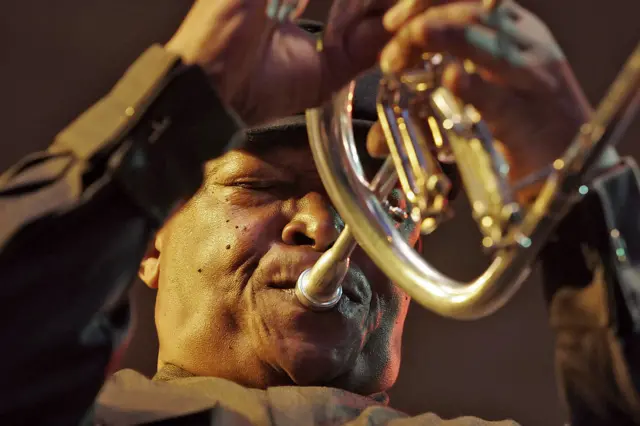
[200, 270]
[228, 246]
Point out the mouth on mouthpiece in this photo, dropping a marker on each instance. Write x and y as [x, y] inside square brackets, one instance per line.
[320, 288]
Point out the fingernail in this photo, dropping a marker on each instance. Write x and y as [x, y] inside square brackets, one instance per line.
[389, 59]
[272, 10]
[284, 12]
[396, 15]
[490, 4]
[391, 20]
[482, 39]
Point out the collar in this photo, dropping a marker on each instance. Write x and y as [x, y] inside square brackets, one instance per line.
[170, 372]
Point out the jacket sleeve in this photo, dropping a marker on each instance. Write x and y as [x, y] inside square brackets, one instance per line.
[591, 273]
[75, 222]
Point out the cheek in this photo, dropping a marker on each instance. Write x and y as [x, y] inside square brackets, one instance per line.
[219, 241]
[384, 348]
[396, 324]
[208, 254]
[393, 318]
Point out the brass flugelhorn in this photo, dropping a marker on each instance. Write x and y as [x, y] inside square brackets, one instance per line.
[515, 233]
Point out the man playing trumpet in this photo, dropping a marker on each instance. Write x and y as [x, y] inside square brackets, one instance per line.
[156, 175]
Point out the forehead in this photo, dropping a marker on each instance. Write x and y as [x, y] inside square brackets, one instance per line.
[287, 149]
[283, 153]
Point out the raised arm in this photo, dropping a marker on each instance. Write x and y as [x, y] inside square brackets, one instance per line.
[75, 223]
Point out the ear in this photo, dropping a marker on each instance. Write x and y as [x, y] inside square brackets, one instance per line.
[149, 271]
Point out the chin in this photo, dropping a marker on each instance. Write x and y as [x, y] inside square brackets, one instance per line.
[359, 379]
[309, 364]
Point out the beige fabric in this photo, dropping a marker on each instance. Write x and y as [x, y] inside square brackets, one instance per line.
[129, 398]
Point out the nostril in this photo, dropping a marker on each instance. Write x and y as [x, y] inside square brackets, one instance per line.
[301, 239]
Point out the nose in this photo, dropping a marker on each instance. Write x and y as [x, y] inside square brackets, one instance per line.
[315, 223]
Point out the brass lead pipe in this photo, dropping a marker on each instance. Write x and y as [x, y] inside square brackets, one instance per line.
[320, 288]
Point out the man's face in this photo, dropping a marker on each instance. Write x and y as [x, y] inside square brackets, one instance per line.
[226, 265]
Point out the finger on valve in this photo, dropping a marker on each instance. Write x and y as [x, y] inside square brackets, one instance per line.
[376, 142]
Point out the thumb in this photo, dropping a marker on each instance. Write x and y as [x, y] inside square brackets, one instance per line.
[353, 39]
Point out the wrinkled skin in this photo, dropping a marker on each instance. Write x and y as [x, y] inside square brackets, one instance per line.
[225, 266]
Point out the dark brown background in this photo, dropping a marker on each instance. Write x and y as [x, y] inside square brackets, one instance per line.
[58, 57]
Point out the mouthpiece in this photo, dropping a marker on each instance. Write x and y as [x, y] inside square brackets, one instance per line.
[320, 288]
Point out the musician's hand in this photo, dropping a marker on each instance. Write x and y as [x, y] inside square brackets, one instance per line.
[523, 85]
[266, 69]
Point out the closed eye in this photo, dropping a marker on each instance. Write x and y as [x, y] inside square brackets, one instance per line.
[256, 185]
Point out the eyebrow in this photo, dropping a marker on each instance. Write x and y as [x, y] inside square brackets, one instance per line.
[264, 145]
[234, 159]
